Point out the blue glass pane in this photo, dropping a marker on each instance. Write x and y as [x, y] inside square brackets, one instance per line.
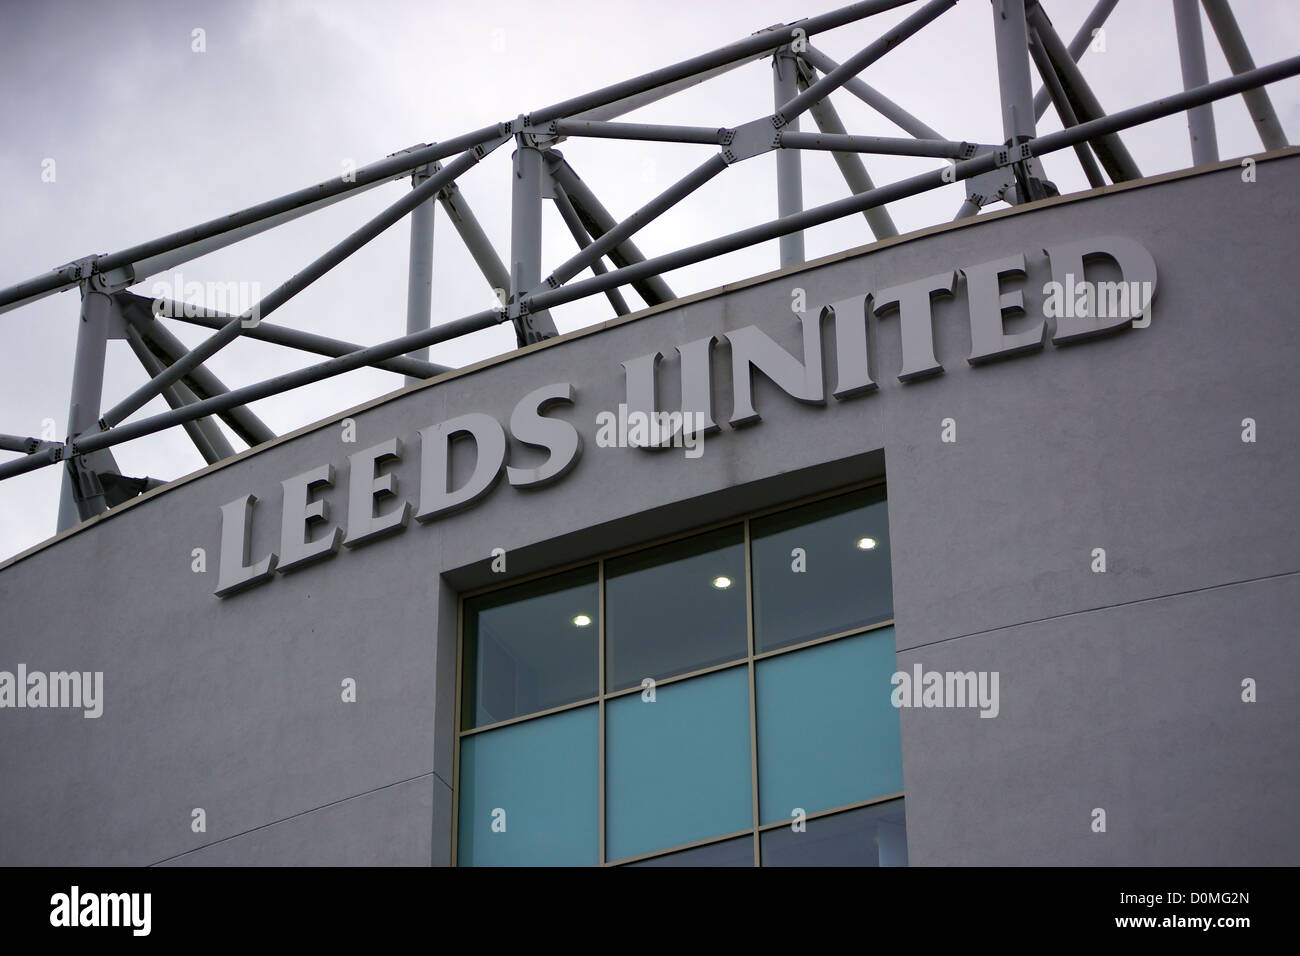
[869, 836]
[837, 581]
[542, 773]
[677, 770]
[827, 732]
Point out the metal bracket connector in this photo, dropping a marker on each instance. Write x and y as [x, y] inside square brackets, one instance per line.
[525, 133]
[86, 479]
[114, 280]
[517, 309]
[1010, 155]
[749, 140]
[78, 270]
[520, 314]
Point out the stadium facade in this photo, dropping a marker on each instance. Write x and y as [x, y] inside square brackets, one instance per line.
[941, 570]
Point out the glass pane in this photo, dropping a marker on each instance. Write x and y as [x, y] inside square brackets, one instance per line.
[675, 608]
[737, 852]
[530, 647]
[537, 780]
[838, 580]
[828, 734]
[869, 836]
[677, 770]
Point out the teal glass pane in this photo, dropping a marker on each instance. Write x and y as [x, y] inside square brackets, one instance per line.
[827, 732]
[839, 579]
[542, 773]
[678, 770]
[530, 647]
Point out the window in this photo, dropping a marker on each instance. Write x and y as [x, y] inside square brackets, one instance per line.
[842, 544]
[530, 648]
[676, 608]
[721, 699]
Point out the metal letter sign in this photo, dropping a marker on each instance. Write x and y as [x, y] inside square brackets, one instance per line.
[1081, 308]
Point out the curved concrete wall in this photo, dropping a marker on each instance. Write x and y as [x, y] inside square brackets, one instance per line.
[1119, 690]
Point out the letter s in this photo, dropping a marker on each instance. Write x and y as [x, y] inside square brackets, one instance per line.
[559, 438]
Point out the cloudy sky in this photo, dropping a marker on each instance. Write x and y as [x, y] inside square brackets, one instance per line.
[148, 135]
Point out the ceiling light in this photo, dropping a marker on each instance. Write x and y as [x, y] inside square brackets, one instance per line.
[721, 582]
[582, 620]
[866, 544]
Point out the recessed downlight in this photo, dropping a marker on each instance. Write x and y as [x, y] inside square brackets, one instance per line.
[866, 544]
[581, 620]
[722, 582]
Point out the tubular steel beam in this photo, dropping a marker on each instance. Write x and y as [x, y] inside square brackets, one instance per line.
[598, 221]
[80, 496]
[874, 98]
[1191, 58]
[934, 179]
[1010, 39]
[789, 164]
[651, 211]
[230, 331]
[202, 432]
[850, 164]
[48, 454]
[476, 241]
[1064, 110]
[855, 64]
[28, 446]
[201, 380]
[208, 426]
[419, 283]
[307, 342]
[526, 239]
[1240, 61]
[653, 95]
[882, 145]
[1110, 148]
[1082, 39]
[583, 239]
[639, 131]
[142, 269]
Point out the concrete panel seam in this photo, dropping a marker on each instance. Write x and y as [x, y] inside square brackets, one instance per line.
[294, 816]
[1100, 607]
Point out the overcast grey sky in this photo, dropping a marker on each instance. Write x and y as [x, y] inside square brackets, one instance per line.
[149, 136]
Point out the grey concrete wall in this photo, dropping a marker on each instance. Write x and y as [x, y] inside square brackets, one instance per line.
[1118, 690]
